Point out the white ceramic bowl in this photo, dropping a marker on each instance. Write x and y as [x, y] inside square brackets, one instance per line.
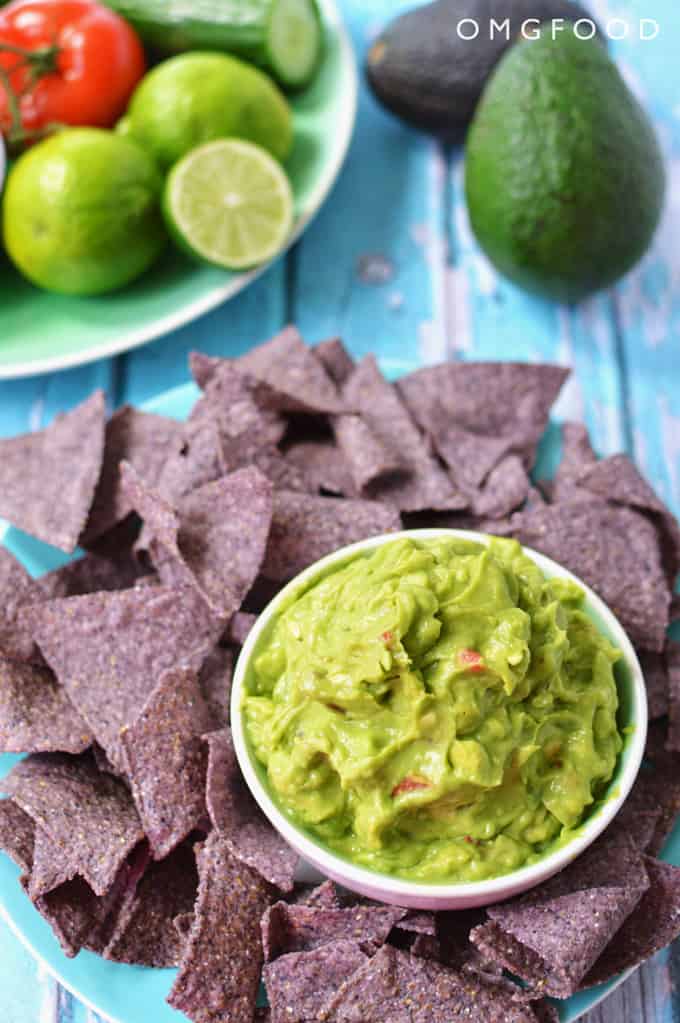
[412, 894]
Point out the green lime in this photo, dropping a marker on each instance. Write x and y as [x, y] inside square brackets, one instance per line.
[81, 212]
[230, 203]
[199, 97]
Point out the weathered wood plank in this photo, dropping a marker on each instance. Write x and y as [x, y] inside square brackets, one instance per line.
[31, 404]
[249, 318]
[646, 997]
[27, 993]
[371, 266]
[489, 318]
[648, 300]
[20, 405]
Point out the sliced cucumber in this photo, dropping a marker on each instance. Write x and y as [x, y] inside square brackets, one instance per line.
[283, 36]
[294, 41]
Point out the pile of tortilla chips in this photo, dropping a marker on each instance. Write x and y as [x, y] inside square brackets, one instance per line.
[132, 827]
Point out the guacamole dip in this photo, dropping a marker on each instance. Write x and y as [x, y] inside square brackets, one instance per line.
[437, 710]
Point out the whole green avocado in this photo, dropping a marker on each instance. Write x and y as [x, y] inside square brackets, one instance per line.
[564, 175]
[429, 66]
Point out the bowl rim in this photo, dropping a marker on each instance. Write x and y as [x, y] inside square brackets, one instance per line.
[392, 888]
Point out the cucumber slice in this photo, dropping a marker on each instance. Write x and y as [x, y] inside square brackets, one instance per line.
[294, 41]
[283, 36]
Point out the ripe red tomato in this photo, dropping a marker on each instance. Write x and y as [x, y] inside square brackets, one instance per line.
[73, 62]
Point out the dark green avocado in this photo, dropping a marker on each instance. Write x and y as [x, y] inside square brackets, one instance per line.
[424, 73]
[564, 176]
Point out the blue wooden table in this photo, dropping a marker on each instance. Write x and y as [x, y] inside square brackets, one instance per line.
[390, 263]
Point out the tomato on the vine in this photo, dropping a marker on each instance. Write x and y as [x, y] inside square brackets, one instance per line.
[64, 62]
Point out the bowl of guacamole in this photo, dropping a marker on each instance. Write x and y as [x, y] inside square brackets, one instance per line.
[438, 718]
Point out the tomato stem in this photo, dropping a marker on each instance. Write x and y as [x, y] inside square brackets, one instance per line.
[39, 62]
[13, 107]
[44, 55]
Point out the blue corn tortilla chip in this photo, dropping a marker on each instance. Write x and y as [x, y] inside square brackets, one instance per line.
[203, 367]
[144, 933]
[36, 715]
[103, 763]
[335, 359]
[89, 816]
[118, 543]
[324, 467]
[16, 589]
[299, 928]
[48, 479]
[17, 834]
[674, 613]
[166, 761]
[281, 472]
[183, 924]
[195, 458]
[325, 895]
[655, 670]
[76, 915]
[160, 518]
[241, 408]
[613, 549]
[140, 438]
[640, 818]
[106, 649]
[239, 628]
[239, 821]
[215, 540]
[52, 866]
[395, 987]
[305, 528]
[654, 924]
[546, 1012]
[427, 946]
[577, 457]
[370, 462]
[495, 399]
[418, 921]
[552, 936]
[82, 919]
[505, 489]
[301, 983]
[661, 782]
[469, 456]
[220, 972]
[454, 947]
[291, 369]
[672, 659]
[426, 484]
[215, 679]
[617, 479]
[91, 574]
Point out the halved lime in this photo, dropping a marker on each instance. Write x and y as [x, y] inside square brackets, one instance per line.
[230, 203]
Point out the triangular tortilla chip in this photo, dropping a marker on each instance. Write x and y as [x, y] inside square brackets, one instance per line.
[36, 715]
[166, 760]
[48, 478]
[220, 973]
[107, 649]
[239, 820]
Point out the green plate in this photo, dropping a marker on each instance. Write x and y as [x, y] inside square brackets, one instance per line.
[42, 332]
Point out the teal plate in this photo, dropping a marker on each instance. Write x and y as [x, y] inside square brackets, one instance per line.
[126, 994]
[42, 332]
